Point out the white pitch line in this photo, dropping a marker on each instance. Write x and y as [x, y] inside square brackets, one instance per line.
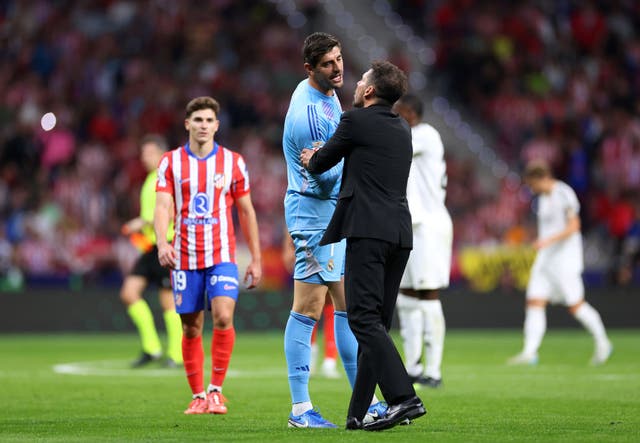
[111, 368]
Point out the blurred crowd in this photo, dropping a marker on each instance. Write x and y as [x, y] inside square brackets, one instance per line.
[110, 72]
[558, 79]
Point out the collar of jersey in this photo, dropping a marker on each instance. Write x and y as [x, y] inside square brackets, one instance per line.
[320, 94]
[211, 154]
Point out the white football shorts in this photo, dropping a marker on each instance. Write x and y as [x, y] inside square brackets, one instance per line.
[429, 265]
[555, 286]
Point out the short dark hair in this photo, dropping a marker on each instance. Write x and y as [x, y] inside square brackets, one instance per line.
[316, 45]
[200, 103]
[157, 140]
[537, 169]
[389, 81]
[413, 102]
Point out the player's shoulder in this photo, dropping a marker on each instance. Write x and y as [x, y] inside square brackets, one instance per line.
[424, 129]
[303, 95]
[565, 191]
[563, 187]
[235, 155]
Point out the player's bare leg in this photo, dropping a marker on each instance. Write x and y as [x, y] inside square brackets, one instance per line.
[590, 319]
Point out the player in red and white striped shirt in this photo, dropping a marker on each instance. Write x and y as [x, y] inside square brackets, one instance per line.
[198, 184]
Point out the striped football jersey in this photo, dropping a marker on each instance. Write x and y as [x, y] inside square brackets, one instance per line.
[204, 191]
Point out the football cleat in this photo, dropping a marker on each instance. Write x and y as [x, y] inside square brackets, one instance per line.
[215, 402]
[144, 359]
[375, 412]
[523, 359]
[197, 406]
[602, 353]
[427, 381]
[310, 419]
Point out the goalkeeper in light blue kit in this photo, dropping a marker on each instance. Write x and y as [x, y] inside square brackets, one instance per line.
[313, 115]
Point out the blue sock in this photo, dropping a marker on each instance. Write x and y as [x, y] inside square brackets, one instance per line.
[297, 350]
[347, 345]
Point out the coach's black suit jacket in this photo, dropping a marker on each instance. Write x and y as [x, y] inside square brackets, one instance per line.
[372, 214]
[376, 146]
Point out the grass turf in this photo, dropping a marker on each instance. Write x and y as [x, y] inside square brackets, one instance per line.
[79, 388]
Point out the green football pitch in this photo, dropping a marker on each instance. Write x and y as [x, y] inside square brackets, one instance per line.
[79, 388]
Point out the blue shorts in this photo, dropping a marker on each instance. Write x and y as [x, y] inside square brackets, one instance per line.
[191, 286]
[314, 263]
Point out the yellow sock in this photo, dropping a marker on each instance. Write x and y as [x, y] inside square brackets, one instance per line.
[143, 319]
[173, 324]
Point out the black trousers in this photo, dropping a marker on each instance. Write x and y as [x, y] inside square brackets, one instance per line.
[373, 271]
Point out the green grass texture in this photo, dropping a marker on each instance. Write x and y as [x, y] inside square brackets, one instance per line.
[79, 388]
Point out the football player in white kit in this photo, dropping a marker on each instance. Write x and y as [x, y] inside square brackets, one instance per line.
[422, 324]
[556, 275]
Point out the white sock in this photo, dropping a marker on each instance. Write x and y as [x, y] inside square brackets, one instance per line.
[411, 330]
[301, 408]
[201, 395]
[592, 322]
[212, 388]
[374, 400]
[535, 325]
[434, 330]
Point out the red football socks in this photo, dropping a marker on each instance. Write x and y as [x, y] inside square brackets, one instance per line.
[221, 348]
[193, 356]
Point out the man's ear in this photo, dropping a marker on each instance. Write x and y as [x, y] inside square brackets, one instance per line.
[369, 92]
[308, 68]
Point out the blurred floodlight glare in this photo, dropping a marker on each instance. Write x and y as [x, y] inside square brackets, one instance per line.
[48, 121]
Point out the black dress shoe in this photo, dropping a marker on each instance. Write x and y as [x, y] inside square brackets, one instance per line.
[407, 410]
[353, 424]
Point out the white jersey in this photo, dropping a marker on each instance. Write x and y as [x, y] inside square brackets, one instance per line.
[426, 188]
[429, 264]
[553, 209]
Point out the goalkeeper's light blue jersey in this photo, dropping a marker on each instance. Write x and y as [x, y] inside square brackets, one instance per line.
[311, 120]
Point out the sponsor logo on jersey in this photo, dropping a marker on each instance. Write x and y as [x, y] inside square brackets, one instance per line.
[228, 279]
[200, 221]
[228, 287]
[200, 205]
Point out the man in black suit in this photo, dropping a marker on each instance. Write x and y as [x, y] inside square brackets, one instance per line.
[372, 214]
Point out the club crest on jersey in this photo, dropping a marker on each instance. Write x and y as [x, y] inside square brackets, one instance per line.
[219, 180]
[200, 204]
[214, 280]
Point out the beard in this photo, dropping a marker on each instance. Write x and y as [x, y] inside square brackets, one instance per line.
[325, 82]
[358, 100]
